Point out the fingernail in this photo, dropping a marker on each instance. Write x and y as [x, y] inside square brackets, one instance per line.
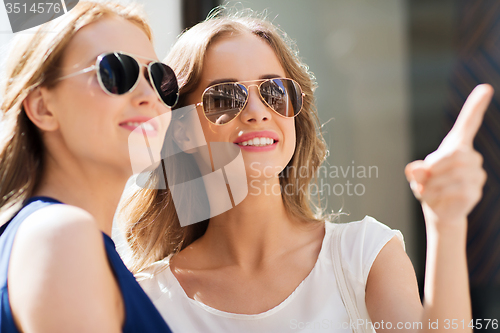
[413, 185]
[415, 189]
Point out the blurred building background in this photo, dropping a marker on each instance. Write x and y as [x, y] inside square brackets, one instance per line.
[383, 70]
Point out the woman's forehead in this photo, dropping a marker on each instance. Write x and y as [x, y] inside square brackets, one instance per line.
[110, 33]
[243, 57]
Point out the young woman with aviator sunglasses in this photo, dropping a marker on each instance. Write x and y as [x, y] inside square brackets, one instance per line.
[267, 265]
[64, 162]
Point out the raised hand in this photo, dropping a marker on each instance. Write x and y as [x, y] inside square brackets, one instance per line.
[449, 181]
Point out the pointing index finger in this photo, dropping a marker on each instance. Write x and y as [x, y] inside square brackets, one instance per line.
[471, 116]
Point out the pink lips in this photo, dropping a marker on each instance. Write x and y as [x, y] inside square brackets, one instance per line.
[148, 125]
[259, 134]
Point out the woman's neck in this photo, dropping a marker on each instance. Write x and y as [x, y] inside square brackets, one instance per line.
[95, 189]
[257, 228]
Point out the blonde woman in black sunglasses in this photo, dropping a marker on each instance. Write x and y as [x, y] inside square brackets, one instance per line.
[270, 264]
[74, 91]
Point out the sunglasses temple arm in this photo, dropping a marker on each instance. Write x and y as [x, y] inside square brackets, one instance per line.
[85, 70]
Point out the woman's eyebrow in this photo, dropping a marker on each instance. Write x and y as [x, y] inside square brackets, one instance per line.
[214, 82]
[269, 76]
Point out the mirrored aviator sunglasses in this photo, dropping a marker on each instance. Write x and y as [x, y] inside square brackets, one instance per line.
[223, 102]
[118, 74]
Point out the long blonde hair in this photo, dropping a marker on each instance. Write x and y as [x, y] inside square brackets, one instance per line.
[151, 224]
[34, 61]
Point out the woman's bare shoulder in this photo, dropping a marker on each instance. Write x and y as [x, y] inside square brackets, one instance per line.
[59, 229]
[392, 290]
[59, 273]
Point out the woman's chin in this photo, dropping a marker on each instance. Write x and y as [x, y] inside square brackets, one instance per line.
[262, 169]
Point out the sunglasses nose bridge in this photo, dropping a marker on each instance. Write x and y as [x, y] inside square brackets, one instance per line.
[257, 86]
[146, 71]
[144, 84]
[258, 109]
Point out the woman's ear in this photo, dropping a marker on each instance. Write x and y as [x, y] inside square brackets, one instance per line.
[35, 106]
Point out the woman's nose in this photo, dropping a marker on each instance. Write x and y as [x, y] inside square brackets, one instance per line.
[144, 93]
[255, 110]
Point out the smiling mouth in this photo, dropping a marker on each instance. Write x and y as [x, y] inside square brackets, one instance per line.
[257, 142]
[146, 126]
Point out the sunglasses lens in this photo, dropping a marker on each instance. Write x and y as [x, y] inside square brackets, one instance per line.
[165, 83]
[223, 102]
[118, 72]
[283, 96]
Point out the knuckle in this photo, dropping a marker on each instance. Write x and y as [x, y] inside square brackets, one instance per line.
[479, 157]
[483, 176]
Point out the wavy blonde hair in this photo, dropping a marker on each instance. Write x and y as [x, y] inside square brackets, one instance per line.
[151, 224]
[34, 60]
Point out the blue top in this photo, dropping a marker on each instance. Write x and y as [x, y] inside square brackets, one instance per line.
[140, 313]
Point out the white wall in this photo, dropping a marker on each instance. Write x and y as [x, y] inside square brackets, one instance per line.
[165, 19]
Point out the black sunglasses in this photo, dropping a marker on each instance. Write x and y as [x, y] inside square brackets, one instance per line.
[224, 101]
[118, 73]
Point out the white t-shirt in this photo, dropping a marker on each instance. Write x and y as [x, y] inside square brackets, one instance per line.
[314, 306]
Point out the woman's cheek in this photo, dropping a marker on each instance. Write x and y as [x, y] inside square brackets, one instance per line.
[290, 138]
